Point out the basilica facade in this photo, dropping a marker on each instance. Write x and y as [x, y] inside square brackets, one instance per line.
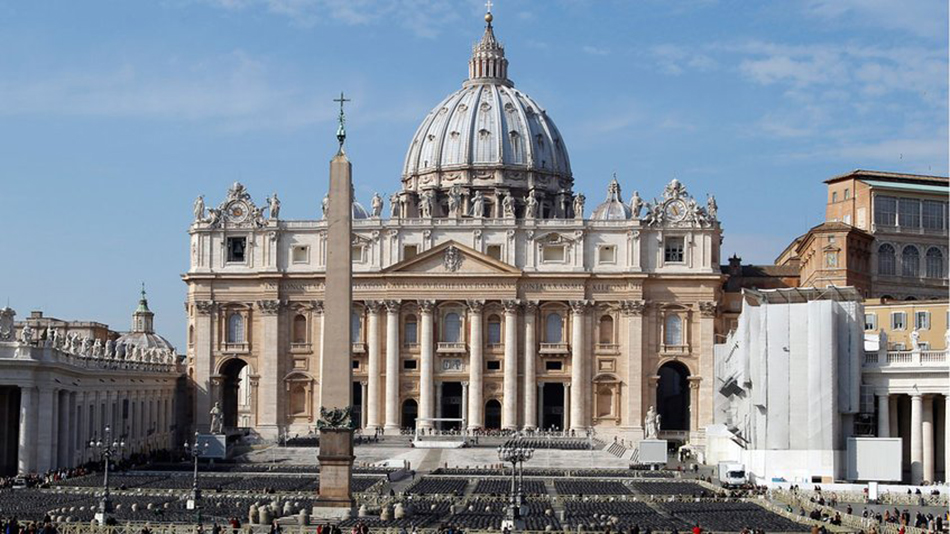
[485, 295]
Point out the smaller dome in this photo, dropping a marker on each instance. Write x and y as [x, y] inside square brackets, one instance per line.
[146, 340]
[612, 209]
[359, 212]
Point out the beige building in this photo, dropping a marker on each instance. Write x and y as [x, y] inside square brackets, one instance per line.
[884, 233]
[63, 382]
[487, 295]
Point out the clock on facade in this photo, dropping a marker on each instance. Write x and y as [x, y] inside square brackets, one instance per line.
[675, 210]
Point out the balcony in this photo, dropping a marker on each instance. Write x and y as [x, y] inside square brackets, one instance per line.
[905, 358]
[607, 348]
[300, 347]
[554, 349]
[235, 347]
[448, 347]
[358, 348]
[679, 350]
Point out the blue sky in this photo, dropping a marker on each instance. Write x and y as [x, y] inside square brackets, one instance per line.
[115, 115]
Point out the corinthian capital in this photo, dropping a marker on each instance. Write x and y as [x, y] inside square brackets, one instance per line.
[579, 307]
[426, 305]
[633, 307]
[269, 307]
[707, 308]
[393, 306]
[511, 305]
[204, 307]
[475, 305]
[372, 306]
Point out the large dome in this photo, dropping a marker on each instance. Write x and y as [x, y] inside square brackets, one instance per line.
[488, 137]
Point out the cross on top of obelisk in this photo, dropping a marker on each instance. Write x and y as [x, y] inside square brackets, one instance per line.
[341, 129]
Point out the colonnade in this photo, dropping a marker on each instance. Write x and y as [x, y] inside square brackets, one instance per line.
[56, 424]
[474, 388]
[922, 431]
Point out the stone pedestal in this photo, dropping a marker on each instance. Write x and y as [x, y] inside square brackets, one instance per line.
[336, 475]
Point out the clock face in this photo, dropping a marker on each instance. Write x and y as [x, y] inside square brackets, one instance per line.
[237, 212]
[675, 210]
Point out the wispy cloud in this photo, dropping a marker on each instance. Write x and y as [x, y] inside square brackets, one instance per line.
[595, 50]
[917, 17]
[424, 18]
[674, 59]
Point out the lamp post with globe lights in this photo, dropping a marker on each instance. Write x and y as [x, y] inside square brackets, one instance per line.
[107, 448]
[516, 454]
[196, 449]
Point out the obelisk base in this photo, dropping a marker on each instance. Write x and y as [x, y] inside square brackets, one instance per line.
[336, 475]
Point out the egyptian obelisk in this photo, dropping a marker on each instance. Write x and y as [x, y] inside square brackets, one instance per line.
[336, 373]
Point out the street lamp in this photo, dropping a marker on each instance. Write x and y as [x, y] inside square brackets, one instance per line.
[107, 448]
[196, 450]
[515, 453]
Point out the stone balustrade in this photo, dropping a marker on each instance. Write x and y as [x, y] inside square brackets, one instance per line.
[47, 354]
[905, 358]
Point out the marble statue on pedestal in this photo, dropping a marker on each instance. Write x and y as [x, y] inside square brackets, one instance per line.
[199, 208]
[394, 206]
[579, 207]
[651, 424]
[377, 205]
[478, 205]
[26, 335]
[531, 207]
[711, 208]
[636, 204]
[274, 206]
[217, 424]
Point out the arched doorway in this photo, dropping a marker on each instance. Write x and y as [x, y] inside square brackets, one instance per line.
[672, 396]
[493, 415]
[233, 371]
[410, 410]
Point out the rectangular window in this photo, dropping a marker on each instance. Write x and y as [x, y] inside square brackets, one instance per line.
[356, 364]
[922, 320]
[553, 254]
[870, 321]
[847, 193]
[494, 332]
[358, 252]
[493, 365]
[834, 196]
[409, 251]
[607, 254]
[898, 320]
[934, 215]
[409, 336]
[673, 250]
[898, 346]
[236, 249]
[494, 251]
[908, 213]
[553, 365]
[885, 211]
[409, 365]
[301, 254]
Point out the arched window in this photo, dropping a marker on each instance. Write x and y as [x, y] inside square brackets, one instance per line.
[886, 260]
[605, 330]
[934, 263]
[356, 328]
[673, 334]
[553, 326]
[451, 328]
[235, 328]
[910, 262]
[410, 330]
[494, 330]
[191, 334]
[300, 329]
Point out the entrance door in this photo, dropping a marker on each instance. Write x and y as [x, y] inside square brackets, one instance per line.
[552, 409]
[357, 412]
[9, 430]
[451, 405]
[493, 415]
[410, 410]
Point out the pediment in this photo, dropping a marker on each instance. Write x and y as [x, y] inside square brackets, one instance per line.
[452, 258]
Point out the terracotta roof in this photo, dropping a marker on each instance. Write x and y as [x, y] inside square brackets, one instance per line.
[768, 271]
[889, 176]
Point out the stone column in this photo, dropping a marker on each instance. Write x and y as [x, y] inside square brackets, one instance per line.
[27, 446]
[204, 362]
[531, 420]
[364, 415]
[916, 439]
[946, 436]
[427, 356]
[707, 365]
[371, 395]
[883, 416]
[695, 383]
[53, 417]
[476, 367]
[438, 403]
[632, 311]
[509, 412]
[567, 407]
[578, 365]
[927, 436]
[464, 410]
[892, 410]
[392, 367]
[71, 429]
[44, 430]
[62, 430]
[272, 410]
